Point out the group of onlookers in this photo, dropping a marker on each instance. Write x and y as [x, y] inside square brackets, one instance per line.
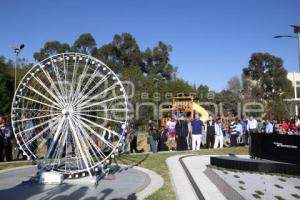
[289, 127]
[179, 133]
[182, 133]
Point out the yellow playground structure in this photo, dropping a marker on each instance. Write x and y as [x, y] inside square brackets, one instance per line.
[185, 104]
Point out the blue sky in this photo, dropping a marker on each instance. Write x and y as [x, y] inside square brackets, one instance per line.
[212, 40]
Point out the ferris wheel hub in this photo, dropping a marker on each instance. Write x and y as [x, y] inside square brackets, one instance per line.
[67, 110]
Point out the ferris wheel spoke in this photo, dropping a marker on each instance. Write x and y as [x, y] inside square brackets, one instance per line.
[42, 132]
[40, 94]
[81, 78]
[59, 147]
[74, 155]
[91, 144]
[91, 140]
[99, 126]
[29, 149]
[79, 159]
[53, 126]
[102, 102]
[55, 137]
[88, 83]
[97, 95]
[102, 110]
[52, 82]
[81, 98]
[36, 101]
[36, 110]
[39, 117]
[47, 90]
[37, 126]
[77, 141]
[104, 118]
[65, 76]
[98, 136]
[58, 78]
[85, 144]
[73, 82]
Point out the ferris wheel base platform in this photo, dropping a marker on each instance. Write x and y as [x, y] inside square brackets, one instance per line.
[51, 178]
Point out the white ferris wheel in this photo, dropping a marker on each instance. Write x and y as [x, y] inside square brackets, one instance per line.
[71, 110]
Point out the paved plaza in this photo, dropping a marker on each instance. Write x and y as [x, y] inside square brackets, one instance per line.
[127, 183]
[236, 184]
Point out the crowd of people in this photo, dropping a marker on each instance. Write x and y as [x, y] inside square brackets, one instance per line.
[181, 133]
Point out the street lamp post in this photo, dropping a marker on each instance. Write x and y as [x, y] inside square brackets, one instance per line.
[297, 32]
[17, 50]
[157, 101]
[156, 86]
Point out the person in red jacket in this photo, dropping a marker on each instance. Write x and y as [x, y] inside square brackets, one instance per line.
[284, 127]
[293, 127]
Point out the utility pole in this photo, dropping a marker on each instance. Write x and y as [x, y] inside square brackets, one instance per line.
[17, 50]
[297, 32]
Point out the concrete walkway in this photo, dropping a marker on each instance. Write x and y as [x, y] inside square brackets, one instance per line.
[127, 183]
[196, 166]
[181, 184]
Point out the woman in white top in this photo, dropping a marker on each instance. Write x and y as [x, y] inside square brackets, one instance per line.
[218, 134]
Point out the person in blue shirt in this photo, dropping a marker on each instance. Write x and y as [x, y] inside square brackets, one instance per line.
[269, 127]
[197, 129]
[245, 134]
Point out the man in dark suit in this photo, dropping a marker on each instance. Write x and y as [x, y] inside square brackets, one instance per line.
[181, 134]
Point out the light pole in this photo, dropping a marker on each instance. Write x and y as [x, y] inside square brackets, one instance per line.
[156, 86]
[17, 50]
[297, 32]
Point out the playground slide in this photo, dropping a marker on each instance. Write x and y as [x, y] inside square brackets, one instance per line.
[204, 114]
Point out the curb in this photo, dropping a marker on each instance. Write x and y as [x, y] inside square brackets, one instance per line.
[156, 182]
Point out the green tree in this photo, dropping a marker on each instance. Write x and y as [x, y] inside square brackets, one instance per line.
[7, 69]
[234, 85]
[202, 92]
[265, 80]
[228, 100]
[122, 52]
[156, 61]
[6, 86]
[85, 44]
[51, 48]
[267, 73]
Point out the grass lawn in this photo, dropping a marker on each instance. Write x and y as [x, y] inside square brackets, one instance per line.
[155, 162]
